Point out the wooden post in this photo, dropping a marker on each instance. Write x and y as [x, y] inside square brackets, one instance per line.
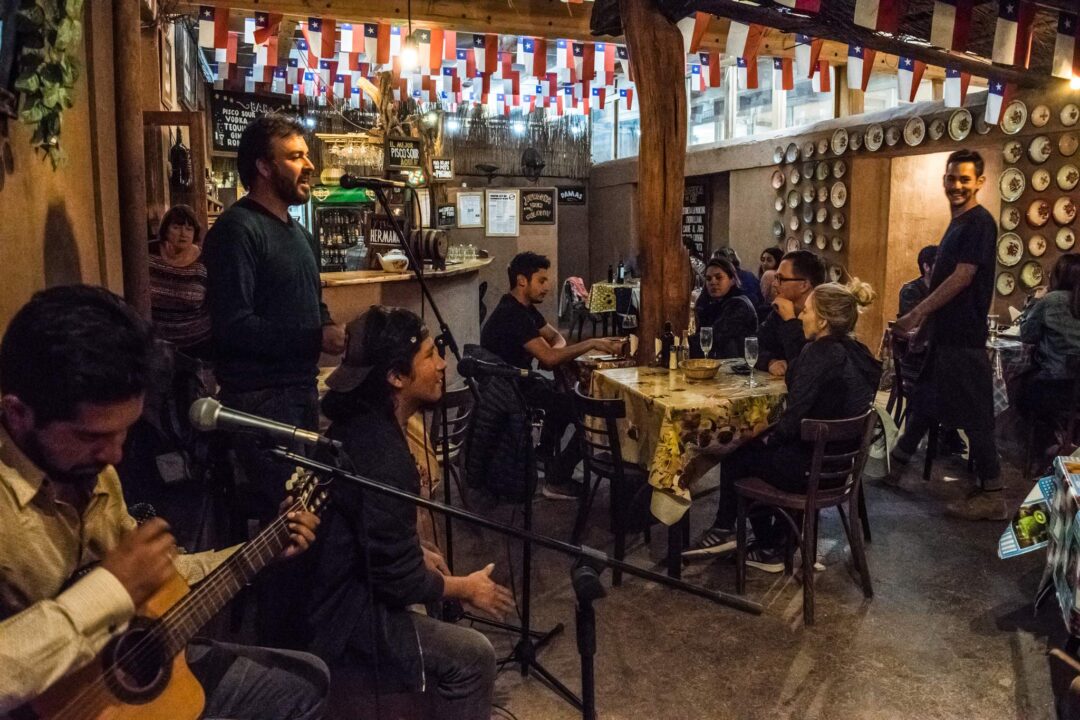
[656, 49]
[131, 173]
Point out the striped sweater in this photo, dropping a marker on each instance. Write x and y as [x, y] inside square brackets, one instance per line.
[178, 302]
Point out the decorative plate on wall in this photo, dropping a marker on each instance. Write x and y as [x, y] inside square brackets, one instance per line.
[936, 130]
[892, 135]
[1013, 117]
[1040, 149]
[839, 169]
[793, 199]
[1010, 249]
[1040, 115]
[778, 229]
[839, 141]
[1069, 114]
[822, 146]
[808, 237]
[1005, 283]
[981, 126]
[793, 223]
[837, 220]
[822, 214]
[1012, 151]
[1038, 213]
[807, 214]
[959, 124]
[792, 153]
[1031, 275]
[821, 172]
[777, 180]
[794, 176]
[875, 135]
[822, 193]
[855, 141]
[1065, 239]
[836, 273]
[808, 194]
[914, 131]
[820, 241]
[837, 243]
[1064, 211]
[1036, 245]
[808, 150]
[1040, 179]
[1067, 144]
[778, 155]
[838, 195]
[1011, 183]
[808, 170]
[791, 244]
[1010, 217]
[1067, 176]
[778, 203]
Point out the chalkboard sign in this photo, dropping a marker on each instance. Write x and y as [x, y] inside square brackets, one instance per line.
[538, 206]
[232, 112]
[447, 216]
[572, 196]
[442, 169]
[402, 153]
[695, 217]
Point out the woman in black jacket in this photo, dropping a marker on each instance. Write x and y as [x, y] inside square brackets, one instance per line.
[726, 309]
[834, 377]
[371, 576]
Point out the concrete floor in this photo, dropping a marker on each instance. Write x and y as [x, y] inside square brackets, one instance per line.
[949, 633]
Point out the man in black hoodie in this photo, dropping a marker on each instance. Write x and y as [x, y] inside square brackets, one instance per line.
[780, 336]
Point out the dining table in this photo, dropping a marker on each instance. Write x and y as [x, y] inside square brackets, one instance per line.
[671, 420]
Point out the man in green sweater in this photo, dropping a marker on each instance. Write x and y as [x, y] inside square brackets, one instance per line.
[269, 321]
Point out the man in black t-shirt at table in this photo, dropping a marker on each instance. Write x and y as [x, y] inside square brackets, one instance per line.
[955, 387]
[519, 334]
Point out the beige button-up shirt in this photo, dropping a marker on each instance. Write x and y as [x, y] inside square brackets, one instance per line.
[45, 634]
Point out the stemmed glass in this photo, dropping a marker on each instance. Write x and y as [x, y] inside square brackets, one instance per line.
[705, 339]
[750, 354]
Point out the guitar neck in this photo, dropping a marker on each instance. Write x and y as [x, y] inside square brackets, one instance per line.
[204, 601]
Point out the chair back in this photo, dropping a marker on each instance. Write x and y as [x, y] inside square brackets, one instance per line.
[459, 408]
[839, 456]
[598, 432]
[481, 292]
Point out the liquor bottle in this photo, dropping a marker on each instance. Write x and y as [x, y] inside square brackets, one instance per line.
[622, 272]
[667, 345]
[610, 274]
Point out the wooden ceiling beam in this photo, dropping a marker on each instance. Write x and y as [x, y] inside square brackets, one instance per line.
[536, 18]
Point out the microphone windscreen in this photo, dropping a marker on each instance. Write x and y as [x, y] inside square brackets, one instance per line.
[467, 367]
[203, 413]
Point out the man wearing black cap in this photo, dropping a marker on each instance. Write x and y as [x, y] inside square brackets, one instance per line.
[372, 576]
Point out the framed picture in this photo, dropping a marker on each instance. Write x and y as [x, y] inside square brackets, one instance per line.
[168, 87]
[184, 52]
[470, 209]
[538, 206]
[9, 10]
[503, 212]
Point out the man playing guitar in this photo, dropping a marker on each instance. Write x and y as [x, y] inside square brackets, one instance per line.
[74, 365]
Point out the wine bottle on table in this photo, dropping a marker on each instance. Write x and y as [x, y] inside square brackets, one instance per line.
[622, 273]
[667, 345]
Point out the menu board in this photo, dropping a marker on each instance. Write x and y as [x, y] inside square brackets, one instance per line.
[401, 153]
[231, 112]
[470, 209]
[442, 169]
[695, 217]
[538, 206]
[447, 216]
[502, 212]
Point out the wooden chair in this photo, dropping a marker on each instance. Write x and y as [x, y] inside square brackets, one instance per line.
[598, 432]
[832, 460]
[459, 407]
[1067, 423]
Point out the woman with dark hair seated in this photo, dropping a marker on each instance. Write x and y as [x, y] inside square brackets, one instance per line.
[1051, 322]
[834, 377]
[372, 578]
[726, 309]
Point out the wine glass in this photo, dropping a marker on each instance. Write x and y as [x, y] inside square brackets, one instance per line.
[705, 339]
[750, 354]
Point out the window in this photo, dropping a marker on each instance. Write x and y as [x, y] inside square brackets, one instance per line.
[629, 129]
[882, 93]
[603, 135]
[754, 112]
[708, 116]
[804, 106]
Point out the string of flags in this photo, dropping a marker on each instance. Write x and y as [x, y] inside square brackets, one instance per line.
[331, 59]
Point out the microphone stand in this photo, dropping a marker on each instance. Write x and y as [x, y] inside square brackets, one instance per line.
[586, 581]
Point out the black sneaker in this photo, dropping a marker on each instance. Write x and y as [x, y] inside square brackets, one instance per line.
[765, 559]
[561, 490]
[715, 541]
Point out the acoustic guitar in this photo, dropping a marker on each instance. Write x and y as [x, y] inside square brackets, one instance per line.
[142, 672]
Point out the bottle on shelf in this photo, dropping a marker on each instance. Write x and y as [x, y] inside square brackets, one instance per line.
[667, 345]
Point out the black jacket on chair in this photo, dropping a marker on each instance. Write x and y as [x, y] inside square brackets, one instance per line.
[498, 444]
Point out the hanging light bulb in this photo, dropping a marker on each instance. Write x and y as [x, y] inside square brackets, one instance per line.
[410, 50]
[1074, 82]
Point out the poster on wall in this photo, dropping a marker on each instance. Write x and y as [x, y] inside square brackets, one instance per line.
[538, 206]
[442, 169]
[401, 154]
[231, 112]
[447, 216]
[470, 209]
[695, 217]
[502, 212]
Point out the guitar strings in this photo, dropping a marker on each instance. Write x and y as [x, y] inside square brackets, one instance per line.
[143, 647]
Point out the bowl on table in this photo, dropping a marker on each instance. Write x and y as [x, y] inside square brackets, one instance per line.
[700, 368]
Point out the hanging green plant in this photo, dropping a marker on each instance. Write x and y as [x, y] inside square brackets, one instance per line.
[49, 34]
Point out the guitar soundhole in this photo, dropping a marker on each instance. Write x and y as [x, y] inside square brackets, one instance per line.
[138, 665]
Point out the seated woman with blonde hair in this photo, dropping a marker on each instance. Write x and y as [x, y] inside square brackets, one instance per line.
[834, 377]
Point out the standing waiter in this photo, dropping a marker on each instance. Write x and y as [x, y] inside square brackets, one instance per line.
[269, 320]
[955, 387]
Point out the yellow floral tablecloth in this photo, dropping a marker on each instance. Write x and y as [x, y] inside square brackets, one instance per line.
[670, 420]
[602, 296]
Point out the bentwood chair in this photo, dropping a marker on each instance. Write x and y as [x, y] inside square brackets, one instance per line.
[840, 449]
[630, 493]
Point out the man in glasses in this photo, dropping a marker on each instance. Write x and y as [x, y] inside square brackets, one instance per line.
[780, 336]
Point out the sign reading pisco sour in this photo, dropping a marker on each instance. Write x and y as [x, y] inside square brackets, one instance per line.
[402, 154]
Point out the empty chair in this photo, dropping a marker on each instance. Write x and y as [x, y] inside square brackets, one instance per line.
[840, 449]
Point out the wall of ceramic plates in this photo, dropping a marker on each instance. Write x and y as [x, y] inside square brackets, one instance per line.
[1038, 193]
[810, 182]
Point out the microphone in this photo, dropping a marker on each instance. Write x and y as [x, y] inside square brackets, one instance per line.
[473, 368]
[208, 414]
[351, 182]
